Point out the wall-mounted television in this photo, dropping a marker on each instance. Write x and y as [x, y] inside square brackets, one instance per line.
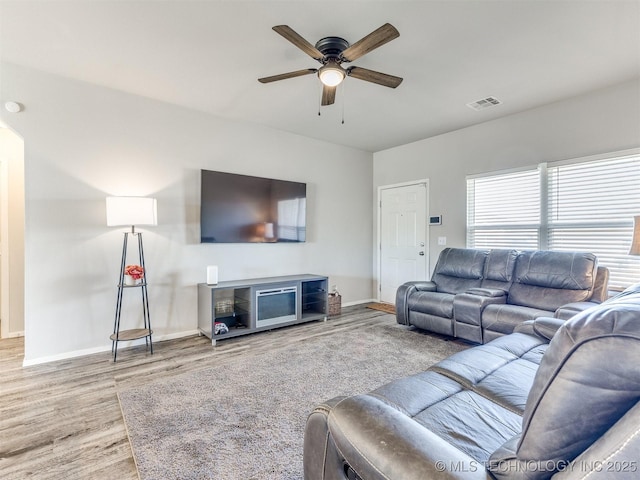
[244, 209]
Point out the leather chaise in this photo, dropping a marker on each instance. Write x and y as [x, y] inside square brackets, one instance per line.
[555, 399]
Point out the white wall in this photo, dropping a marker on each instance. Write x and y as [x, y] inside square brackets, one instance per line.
[12, 234]
[604, 121]
[83, 143]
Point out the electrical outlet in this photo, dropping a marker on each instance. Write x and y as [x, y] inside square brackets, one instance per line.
[442, 240]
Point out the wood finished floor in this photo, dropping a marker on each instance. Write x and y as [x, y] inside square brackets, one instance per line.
[62, 420]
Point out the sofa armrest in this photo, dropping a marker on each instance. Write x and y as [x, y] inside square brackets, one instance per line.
[503, 462]
[316, 442]
[565, 312]
[468, 307]
[380, 443]
[427, 286]
[543, 327]
[487, 292]
[402, 298]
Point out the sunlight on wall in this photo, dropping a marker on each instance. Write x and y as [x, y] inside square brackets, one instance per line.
[11, 234]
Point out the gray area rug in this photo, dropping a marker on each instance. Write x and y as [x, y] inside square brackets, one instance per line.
[245, 419]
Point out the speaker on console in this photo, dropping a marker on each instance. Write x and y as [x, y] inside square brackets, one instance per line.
[212, 275]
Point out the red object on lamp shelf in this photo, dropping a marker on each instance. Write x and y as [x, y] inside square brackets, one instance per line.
[134, 271]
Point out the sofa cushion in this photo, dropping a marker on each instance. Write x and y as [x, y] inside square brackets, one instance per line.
[502, 370]
[567, 311]
[499, 268]
[504, 318]
[588, 379]
[433, 303]
[546, 280]
[436, 405]
[459, 269]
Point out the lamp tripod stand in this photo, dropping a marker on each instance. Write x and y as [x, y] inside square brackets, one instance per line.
[131, 211]
[134, 334]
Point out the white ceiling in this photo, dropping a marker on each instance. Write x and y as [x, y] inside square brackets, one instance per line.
[207, 55]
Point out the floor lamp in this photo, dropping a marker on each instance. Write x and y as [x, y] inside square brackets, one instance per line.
[131, 211]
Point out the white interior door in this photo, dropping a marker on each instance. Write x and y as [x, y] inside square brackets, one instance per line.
[403, 248]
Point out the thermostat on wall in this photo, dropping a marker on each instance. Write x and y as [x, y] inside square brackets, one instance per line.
[437, 220]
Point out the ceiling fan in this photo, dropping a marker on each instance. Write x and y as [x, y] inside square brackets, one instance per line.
[332, 52]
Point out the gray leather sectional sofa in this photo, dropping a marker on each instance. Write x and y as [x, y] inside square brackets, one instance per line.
[479, 295]
[555, 399]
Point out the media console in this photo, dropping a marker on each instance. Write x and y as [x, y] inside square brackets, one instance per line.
[239, 307]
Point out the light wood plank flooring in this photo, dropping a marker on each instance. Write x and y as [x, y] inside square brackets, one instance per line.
[62, 420]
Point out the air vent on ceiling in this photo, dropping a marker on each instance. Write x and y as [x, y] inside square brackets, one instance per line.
[484, 103]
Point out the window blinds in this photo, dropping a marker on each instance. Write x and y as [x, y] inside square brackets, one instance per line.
[591, 207]
[586, 206]
[503, 211]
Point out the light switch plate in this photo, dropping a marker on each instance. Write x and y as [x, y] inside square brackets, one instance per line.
[442, 240]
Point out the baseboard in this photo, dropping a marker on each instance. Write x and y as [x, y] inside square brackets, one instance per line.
[104, 348]
[171, 336]
[156, 338]
[358, 302]
[13, 334]
[65, 356]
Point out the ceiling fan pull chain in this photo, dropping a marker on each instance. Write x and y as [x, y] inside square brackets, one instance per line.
[343, 100]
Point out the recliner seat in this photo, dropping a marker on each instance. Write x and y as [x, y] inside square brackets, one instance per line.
[429, 305]
[543, 282]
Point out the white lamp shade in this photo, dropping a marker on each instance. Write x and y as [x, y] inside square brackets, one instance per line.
[131, 211]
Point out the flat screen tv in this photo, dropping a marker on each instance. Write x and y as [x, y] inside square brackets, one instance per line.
[244, 209]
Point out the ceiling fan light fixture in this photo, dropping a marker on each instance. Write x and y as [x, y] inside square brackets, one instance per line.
[331, 74]
[331, 52]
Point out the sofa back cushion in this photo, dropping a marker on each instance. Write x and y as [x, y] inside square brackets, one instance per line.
[499, 268]
[547, 280]
[587, 380]
[459, 269]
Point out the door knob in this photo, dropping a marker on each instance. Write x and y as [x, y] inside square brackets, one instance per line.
[421, 254]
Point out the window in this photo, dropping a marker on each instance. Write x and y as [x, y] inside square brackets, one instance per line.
[503, 211]
[579, 205]
[291, 219]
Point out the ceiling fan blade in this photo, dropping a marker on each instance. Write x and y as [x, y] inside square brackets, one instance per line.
[328, 95]
[284, 76]
[291, 35]
[375, 39]
[374, 77]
